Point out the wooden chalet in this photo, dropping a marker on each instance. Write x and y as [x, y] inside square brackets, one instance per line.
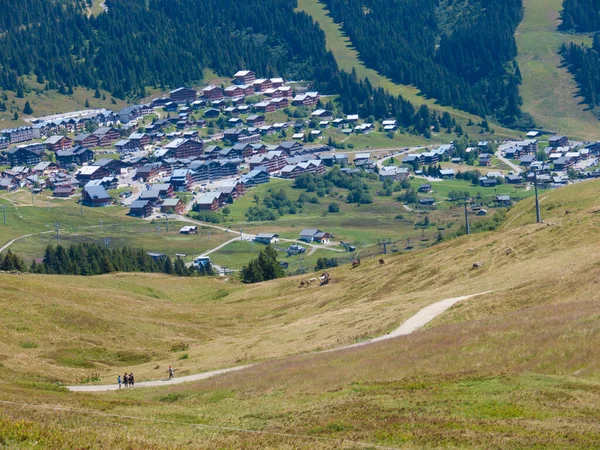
[244, 77]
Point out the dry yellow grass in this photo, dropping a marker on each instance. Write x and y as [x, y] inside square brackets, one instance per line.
[516, 368]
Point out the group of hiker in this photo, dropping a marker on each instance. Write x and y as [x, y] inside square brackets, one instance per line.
[127, 380]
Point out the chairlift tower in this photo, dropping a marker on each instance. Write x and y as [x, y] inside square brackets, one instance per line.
[383, 243]
[538, 215]
[467, 226]
[301, 267]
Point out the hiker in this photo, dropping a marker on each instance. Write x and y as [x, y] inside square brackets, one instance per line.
[131, 382]
[126, 380]
[170, 372]
[119, 381]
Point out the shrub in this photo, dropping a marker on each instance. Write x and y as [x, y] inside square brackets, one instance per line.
[260, 214]
[180, 347]
[334, 208]
[207, 216]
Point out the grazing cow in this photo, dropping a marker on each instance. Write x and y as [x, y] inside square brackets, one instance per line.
[312, 280]
[381, 262]
[355, 263]
[302, 284]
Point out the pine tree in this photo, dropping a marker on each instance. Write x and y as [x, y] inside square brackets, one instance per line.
[27, 109]
[168, 268]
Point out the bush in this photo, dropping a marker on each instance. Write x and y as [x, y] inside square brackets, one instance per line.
[207, 216]
[334, 208]
[324, 263]
[180, 347]
[260, 214]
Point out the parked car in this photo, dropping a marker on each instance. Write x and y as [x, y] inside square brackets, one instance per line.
[295, 249]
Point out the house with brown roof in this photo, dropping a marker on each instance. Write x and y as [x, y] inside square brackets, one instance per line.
[244, 77]
[57, 142]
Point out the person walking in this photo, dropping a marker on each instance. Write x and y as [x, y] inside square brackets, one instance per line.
[126, 380]
[131, 381]
[119, 381]
[170, 372]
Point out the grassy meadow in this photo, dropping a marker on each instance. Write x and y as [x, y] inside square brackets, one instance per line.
[516, 367]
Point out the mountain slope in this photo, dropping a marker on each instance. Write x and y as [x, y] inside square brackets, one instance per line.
[120, 52]
[441, 48]
[348, 60]
[548, 90]
[515, 368]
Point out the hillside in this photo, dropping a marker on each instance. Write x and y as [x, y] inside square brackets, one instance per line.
[516, 367]
[118, 50]
[549, 91]
[441, 49]
[581, 16]
[347, 59]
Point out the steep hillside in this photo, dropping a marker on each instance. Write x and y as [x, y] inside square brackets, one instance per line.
[442, 49]
[348, 59]
[517, 367]
[119, 50]
[549, 92]
[580, 15]
[584, 63]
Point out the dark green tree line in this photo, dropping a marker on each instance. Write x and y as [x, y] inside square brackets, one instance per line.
[580, 15]
[92, 259]
[584, 64]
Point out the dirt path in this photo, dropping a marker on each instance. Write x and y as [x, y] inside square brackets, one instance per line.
[419, 320]
[8, 244]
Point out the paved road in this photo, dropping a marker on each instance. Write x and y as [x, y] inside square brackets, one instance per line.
[419, 320]
[403, 152]
[328, 246]
[513, 166]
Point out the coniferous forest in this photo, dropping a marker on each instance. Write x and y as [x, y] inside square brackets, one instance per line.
[162, 43]
[168, 43]
[584, 64]
[459, 52]
[582, 16]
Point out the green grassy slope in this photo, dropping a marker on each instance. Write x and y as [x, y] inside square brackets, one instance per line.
[548, 90]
